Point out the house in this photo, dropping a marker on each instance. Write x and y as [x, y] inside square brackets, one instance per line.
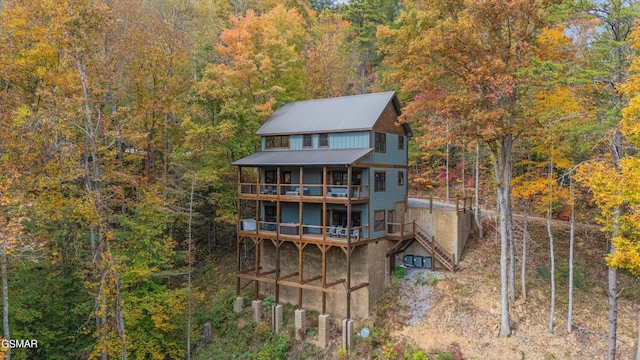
[322, 206]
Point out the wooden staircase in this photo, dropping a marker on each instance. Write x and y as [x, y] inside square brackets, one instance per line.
[437, 251]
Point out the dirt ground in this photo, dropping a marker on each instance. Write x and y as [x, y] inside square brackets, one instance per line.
[463, 308]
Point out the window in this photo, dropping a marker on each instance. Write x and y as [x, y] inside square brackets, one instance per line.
[323, 140]
[381, 142]
[306, 141]
[378, 220]
[380, 181]
[400, 178]
[281, 141]
[400, 142]
[339, 177]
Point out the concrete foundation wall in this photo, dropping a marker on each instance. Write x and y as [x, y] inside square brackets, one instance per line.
[450, 228]
[367, 265]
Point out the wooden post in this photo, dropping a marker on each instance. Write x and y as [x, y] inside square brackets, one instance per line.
[300, 273]
[349, 173]
[324, 249]
[256, 285]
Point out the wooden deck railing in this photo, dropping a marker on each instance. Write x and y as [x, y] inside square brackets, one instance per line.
[306, 190]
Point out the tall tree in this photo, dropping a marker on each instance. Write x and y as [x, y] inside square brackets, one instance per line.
[365, 16]
[608, 53]
[331, 61]
[469, 53]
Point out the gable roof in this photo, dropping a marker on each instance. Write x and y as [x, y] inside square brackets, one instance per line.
[346, 113]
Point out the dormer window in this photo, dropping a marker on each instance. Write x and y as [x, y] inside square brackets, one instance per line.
[307, 141]
[323, 140]
[277, 142]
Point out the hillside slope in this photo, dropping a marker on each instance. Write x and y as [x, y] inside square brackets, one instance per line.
[464, 308]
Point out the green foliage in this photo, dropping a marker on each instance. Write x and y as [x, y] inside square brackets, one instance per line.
[275, 348]
[268, 301]
[401, 272]
[443, 355]
[40, 295]
[428, 279]
[416, 355]
[543, 271]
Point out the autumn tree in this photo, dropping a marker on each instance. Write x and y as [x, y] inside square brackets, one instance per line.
[464, 57]
[330, 60]
[260, 68]
[607, 59]
[364, 17]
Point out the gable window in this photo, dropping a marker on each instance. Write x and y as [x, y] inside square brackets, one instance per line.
[400, 142]
[323, 140]
[381, 142]
[380, 181]
[400, 178]
[277, 142]
[306, 141]
[378, 220]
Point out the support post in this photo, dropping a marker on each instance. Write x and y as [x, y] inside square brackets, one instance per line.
[276, 314]
[323, 331]
[238, 303]
[257, 310]
[347, 335]
[300, 322]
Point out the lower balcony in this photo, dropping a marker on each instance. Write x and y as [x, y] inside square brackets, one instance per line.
[318, 233]
[302, 232]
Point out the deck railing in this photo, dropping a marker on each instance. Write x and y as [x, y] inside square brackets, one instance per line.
[296, 229]
[313, 190]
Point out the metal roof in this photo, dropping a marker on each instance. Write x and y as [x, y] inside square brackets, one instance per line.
[347, 113]
[303, 157]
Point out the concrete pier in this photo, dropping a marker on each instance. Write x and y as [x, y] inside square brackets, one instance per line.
[276, 313]
[323, 331]
[300, 322]
[238, 303]
[347, 335]
[257, 310]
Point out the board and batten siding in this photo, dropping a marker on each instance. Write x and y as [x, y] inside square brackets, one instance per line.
[385, 200]
[392, 155]
[343, 140]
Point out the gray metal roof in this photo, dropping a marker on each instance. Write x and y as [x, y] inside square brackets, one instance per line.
[347, 113]
[303, 157]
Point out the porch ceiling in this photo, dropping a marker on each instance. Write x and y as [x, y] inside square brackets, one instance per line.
[304, 157]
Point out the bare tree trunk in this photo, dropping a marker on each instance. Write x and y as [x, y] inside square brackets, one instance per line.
[525, 235]
[5, 297]
[502, 161]
[552, 270]
[572, 233]
[464, 153]
[613, 313]
[101, 253]
[512, 255]
[447, 166]
[638, 340]
[189, 299]
[477, 191]
[612, 272]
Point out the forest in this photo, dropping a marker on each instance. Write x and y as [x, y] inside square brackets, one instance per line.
[119, 120]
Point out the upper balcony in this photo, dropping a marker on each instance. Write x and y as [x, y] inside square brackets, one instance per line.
[310, 192]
